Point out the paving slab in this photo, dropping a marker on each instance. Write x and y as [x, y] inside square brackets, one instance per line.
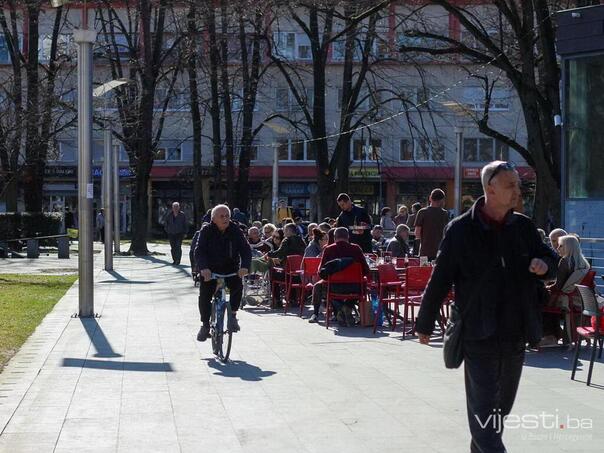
[135, 379]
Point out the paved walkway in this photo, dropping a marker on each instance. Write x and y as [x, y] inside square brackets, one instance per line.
[135, 380]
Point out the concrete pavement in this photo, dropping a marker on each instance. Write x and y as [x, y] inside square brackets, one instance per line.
[135, 379]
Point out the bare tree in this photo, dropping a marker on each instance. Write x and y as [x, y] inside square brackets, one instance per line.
[517, 38]
[136, 46]
[317, 20]
[31, 119]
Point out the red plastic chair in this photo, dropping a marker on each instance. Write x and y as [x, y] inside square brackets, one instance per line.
[310, 275]
[353, 274]
[416, 280]
[589, 281]
[593, 334]
[293, 263]
[389, 283]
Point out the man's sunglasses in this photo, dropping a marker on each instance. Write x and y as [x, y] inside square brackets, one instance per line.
[503, 166]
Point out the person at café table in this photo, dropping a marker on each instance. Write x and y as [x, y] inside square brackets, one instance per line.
[341, 248]
[554, 235]
[292, 245]
[356, 220]
[316, 246]
[398, 245]
[572, 268]
[378, 241]
[494, 257]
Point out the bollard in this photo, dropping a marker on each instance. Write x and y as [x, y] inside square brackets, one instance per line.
[33, 248]
[63, 246]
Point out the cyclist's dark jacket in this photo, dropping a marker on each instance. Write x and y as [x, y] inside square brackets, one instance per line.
[222, 252]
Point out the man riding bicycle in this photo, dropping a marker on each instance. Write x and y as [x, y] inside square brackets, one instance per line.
[221, 249]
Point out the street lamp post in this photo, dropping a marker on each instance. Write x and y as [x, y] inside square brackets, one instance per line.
[108, 199]
[85, 39]
[458, 169]
[110, 180]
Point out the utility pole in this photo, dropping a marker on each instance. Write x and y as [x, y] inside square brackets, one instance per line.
[108, 198]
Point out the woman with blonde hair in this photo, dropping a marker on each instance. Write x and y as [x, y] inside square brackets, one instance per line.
[572, 268]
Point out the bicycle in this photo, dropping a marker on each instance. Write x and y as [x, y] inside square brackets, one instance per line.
[218, 329]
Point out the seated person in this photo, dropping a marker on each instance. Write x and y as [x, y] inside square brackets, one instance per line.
[259, 247]
[554, 235]
[311, 227]
[292, 245]
[573, 267]
[378, 241]
[398, 246]
[341, 248]
[316, 246]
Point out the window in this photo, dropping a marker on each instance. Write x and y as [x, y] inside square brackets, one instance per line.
[123, 154]
[104, 46]
[285, 44]
[282, 99]
[423, 149]
[98, 151]
[65, 152]
[406, 149]
[65, 46]
[474, 99]
[364, 100]
[169, 154]
[304, 51]
[4, 55]
[584, 141]
[365, 149]
[294, 149]
[285, 100]
[484, 150]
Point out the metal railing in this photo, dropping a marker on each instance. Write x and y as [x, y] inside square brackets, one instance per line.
[593, 250]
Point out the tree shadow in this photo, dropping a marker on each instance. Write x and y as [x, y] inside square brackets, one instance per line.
[239, 369]
[181, 267]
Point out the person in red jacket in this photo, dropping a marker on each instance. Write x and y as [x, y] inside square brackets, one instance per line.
[341, 248]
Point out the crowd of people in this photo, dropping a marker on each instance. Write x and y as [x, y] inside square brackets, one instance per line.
[505, 273]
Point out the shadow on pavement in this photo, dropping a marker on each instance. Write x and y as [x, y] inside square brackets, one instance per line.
[181, 267]
[116, 366]
[98, 338]
[105, 350]
[239, 369]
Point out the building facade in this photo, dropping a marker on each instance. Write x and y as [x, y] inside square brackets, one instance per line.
[403, 151]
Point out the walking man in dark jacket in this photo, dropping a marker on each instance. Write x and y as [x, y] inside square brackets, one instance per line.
[494, 257]
[176, 226]
[221, 249]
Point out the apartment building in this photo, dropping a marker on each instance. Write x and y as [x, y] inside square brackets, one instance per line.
[403, 150]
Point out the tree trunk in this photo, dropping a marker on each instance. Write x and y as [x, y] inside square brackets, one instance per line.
[11, 192]
[198, 204]
[34, 168]
[229, 139]
[140, 211]
[215, 104]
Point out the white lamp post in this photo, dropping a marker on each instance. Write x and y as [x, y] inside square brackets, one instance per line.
[110, 186]
[84, 38]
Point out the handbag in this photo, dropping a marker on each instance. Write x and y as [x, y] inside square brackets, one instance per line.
[453, 337]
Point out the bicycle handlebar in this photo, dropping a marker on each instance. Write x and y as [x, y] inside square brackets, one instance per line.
[215, 276]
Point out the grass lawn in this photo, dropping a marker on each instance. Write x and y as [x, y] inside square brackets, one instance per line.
[24, 301]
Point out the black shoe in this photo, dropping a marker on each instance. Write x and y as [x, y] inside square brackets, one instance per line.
[233, 324]
[204, 333]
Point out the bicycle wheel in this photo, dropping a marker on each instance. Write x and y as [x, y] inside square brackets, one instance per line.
[227, 336]
[216, 330]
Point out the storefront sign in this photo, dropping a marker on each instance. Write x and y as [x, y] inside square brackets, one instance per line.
[125, 172]
[361, 189]
[297, 188]
[59, 171]
[471, 173]
[371, 172]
